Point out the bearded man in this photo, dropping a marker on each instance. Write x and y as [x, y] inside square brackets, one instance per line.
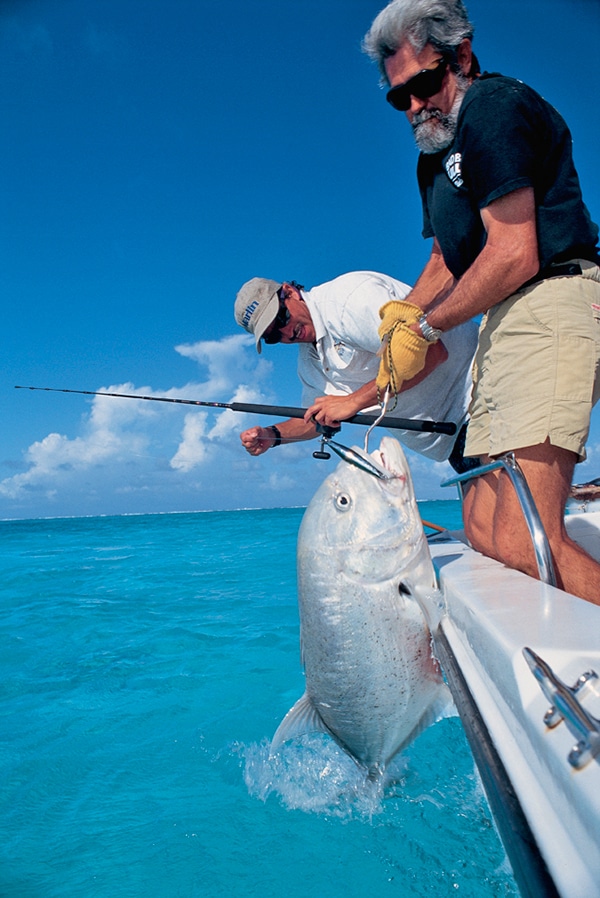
[512, 240]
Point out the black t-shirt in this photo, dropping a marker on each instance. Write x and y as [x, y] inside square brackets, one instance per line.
[507, 137]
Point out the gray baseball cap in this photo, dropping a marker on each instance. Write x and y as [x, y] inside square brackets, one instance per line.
[256, 306]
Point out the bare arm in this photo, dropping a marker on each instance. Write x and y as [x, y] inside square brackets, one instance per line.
[435, 282]
[508, 259]
[256, 440]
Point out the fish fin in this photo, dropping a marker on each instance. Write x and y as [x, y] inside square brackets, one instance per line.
[442, 707]
[432, 604]
[301, 719]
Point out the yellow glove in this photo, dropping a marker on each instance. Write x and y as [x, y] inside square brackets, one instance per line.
[394, 311]
[402, 357]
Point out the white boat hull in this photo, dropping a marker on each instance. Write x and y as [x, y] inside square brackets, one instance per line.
[492, 613]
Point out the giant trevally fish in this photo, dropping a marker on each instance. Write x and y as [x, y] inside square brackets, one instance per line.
[364, 569]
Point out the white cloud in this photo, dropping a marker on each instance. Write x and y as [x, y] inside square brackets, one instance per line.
[192, 450]
[56, 455]
[125, 443]
[281, 482]
[227, 361]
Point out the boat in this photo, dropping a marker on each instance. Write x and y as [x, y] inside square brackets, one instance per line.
[585, 496]
[522, 659]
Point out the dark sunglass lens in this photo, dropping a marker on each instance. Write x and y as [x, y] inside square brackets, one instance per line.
[273, 334]
[431, 82]
[399, 98]
[283, 316]
[424, 85]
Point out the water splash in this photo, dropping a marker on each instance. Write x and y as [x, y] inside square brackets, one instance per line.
[314, 775]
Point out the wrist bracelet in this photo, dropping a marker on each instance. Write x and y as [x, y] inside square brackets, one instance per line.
[431, 334]
[277, 435]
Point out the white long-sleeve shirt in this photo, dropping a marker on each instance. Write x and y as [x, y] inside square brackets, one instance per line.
[345, 314]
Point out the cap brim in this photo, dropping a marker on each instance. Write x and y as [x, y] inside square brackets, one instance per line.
[266, 318]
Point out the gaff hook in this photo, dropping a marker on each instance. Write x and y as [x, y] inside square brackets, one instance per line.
[384, 403]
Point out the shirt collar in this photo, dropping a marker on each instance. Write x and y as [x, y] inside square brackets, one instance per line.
[319, 326]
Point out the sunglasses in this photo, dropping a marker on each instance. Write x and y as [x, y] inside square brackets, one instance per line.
[273, 334]
[424, 85]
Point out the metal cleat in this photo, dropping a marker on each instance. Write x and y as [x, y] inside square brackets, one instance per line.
[566, 705]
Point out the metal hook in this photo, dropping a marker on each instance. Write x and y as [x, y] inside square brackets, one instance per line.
[384, 403]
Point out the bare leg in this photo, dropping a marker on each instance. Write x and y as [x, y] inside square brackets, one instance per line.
[495, 525]
[479, 502]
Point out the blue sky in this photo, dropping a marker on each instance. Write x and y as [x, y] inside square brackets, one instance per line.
[155, 154]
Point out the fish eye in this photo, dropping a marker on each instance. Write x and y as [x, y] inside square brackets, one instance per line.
[404, 590]
[343, 501]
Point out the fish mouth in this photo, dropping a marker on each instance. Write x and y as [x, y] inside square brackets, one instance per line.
[390, 459]
[387, 463]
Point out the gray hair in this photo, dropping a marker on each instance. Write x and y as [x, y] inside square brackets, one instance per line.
[441, 23]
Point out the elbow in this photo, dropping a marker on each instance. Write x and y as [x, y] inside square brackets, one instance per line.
[523, 264]
[529, 267]
[526, 253]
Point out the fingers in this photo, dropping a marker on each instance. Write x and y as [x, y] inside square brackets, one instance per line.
[324, 411]
[316, 414]
[403, 358]
[248, 437]
[394, 311]
[253, 440]
[311, 416]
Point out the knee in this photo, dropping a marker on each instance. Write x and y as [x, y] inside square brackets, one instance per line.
[487, 535]
[515, 549]
[502, 545]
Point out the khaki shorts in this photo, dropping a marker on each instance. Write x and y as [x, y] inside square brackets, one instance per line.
[535, 373]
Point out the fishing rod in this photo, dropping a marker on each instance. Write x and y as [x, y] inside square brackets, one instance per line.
[279, 411]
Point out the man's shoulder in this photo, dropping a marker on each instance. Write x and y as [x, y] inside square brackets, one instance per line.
[490, 82]
[351, 280]
[497, 88]
[356, 288]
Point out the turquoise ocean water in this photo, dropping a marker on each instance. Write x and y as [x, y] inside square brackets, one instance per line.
[146, 662]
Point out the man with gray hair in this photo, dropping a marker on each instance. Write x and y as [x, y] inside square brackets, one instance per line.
[512, 240]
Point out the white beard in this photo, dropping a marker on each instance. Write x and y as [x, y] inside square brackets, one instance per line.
[433, 130]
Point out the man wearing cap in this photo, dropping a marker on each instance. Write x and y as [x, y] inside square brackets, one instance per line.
[336, 328]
